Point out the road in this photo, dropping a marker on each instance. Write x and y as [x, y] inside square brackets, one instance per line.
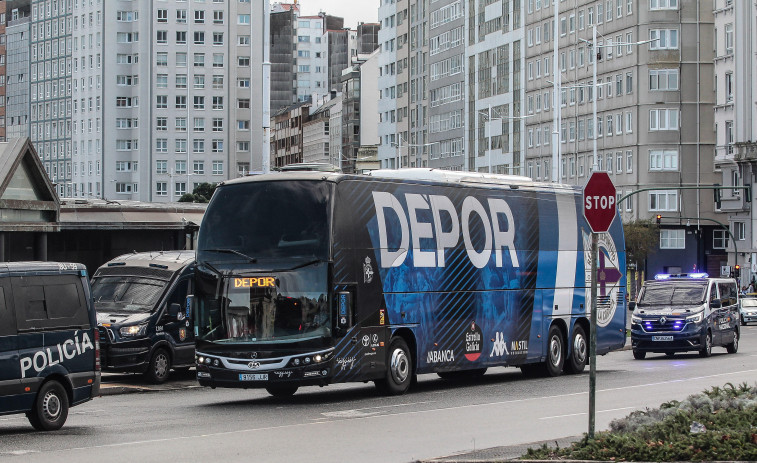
[349, 422]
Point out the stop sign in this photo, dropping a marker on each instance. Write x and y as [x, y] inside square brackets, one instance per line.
[599, 202]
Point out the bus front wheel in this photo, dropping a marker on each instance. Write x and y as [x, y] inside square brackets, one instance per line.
[555, 351]
[399, 369]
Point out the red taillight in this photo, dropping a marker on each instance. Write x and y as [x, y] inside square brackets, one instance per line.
[97, 350]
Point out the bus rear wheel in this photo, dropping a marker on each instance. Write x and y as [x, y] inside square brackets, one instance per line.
[579, 351]
[281, 392]
[555, 352]
[399, 369]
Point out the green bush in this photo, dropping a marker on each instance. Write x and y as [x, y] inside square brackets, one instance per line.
[729, 415]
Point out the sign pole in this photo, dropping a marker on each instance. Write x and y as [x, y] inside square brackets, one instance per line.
[593, 337]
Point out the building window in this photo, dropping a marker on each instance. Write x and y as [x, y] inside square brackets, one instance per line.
[198, 167]
[739, 230]
[162, 37]
[663, 4]
[180, 188]
[161, 166]
[663, 39]
[663, 160]
[161, 189]
[217, 167]
[719, 239]
[663, 79]
[216, 145]
[663, 200]
[673, 239]
[199, 38]
[729, 39]
[729, 87]
[663, 119]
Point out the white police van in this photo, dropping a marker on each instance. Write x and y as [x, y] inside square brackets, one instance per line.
[685, 312]
[49, 344]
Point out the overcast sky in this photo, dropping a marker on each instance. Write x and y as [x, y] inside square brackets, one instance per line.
[353, 11]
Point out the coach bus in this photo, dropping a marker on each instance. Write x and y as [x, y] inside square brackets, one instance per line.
[312, 278]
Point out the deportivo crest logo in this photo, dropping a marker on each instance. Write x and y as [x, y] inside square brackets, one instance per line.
[609, 276]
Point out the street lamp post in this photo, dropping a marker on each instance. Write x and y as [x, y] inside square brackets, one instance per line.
[399, 150]
[490, 135]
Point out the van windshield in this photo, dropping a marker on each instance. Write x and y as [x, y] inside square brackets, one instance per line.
[126, 293]
[673, 294]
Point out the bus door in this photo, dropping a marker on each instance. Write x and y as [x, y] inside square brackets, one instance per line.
[10, 372]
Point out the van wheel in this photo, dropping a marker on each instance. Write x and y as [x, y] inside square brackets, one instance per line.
[50, 407]
[159, 366]
[579, 351]
[733, 347]
[639, 355]
[706, 351]
[555, 352]
[282, 392]
[399, 371]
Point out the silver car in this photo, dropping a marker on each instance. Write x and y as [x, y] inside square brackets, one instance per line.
[748, 309]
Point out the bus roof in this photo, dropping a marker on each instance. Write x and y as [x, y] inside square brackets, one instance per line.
[414, 175]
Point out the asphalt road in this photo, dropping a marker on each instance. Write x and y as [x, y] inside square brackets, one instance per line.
[350, 422]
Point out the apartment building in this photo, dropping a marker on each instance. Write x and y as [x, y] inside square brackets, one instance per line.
[393, 82]
[443, 147]
[735, 45]
[359, 109]
[654, 120]
[312, 62]
[494, 87]
[18, 67]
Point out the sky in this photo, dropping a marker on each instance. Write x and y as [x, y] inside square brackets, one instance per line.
[353, 11]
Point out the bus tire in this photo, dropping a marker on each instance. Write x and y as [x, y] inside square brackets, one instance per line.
[159, 366]
[50, 407]
[579, 352]
[282, 391]
[399, 369]
[555, 352]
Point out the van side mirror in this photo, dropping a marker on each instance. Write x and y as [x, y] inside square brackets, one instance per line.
[631, 306]
[174, 311]
[715, 304]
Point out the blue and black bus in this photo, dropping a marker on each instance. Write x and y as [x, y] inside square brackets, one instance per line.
[312, 278]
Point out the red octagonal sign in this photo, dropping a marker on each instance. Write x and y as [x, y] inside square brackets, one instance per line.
[599, 202]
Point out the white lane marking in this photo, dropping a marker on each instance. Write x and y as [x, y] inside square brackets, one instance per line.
[419, 412]
[586, 413]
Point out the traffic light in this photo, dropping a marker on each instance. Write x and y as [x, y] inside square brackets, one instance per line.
[736, 271]
[659, 218]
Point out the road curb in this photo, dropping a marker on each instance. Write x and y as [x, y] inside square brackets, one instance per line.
[129, 389]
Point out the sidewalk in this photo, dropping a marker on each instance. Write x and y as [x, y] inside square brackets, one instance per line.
[502, 454]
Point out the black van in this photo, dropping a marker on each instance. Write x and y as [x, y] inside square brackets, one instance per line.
[141, 311]
[49, 344]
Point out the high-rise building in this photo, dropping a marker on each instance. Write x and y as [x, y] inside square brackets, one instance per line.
[654, 99]
[18, 67]
[312, 61]
[283, 46]
[393, 81]
[735, 44]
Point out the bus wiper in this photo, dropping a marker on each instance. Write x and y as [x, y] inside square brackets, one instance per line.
[251, 260]
[306, 264]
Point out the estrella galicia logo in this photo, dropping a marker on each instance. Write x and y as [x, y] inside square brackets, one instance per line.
[473, 342]
[367, 271]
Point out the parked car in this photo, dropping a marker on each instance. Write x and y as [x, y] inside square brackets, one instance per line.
[49, 349]
[141, 311]
[748, 309]
[685, 312]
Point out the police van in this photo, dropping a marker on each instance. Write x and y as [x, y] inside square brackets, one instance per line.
[140, 300]
[49, 359]
[685, 312]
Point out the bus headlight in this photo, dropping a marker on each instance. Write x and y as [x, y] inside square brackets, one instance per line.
[132, 331]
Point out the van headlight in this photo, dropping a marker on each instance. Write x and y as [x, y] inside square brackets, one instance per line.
[635, 319]
[695, 318]
[133, 330]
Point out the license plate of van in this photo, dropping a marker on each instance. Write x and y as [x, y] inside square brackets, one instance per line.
[253, 377]
[662, 338]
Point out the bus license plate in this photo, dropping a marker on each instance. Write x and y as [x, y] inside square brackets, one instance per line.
[662, 338]
[253, 377]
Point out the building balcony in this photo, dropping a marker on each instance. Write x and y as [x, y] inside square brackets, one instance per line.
[745, 151]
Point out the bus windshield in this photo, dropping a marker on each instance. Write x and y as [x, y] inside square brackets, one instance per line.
[268, 220]
[127, 293]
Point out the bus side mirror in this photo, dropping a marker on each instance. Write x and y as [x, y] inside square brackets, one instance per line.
[631, 306]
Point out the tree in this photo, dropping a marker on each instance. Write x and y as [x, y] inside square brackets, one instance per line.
[201, 193]
[641, 240]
